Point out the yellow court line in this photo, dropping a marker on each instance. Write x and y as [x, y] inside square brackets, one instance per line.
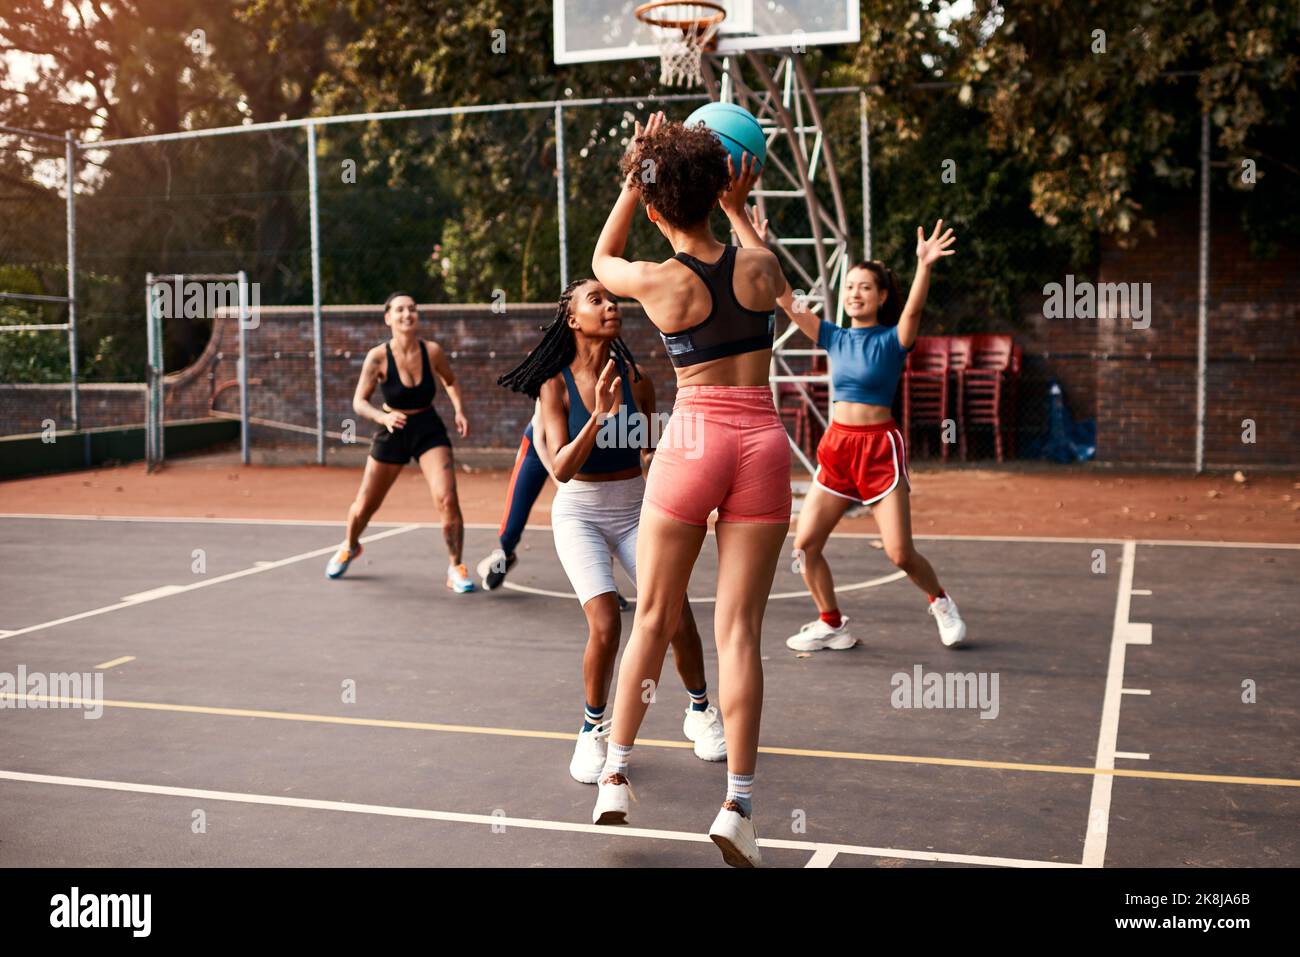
[115, 662]
[653, 743]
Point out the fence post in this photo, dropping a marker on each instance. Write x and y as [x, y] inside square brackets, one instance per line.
[70, 154]
[150, 453]
[1202, 291]
[864, 134]
[243, 367]
[317, 332]
[561, 195]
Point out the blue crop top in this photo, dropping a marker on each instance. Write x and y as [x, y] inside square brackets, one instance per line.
[620, 440]
[865, 362]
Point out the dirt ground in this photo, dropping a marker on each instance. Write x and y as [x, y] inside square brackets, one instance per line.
[1074, 503]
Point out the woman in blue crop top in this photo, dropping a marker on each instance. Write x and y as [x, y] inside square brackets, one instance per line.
[409, 428]
[597, 423]
[861, 459]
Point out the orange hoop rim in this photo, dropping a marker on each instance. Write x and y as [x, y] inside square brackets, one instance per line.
[643, 13]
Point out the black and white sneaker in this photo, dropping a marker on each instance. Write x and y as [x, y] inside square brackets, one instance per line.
[492, 570]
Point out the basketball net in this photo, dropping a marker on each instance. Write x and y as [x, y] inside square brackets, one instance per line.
[683, 32]
[680, 54]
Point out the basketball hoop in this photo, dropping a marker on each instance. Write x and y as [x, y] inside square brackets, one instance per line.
[683, 31]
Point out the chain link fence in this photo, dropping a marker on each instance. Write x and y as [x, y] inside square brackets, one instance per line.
[479, 207]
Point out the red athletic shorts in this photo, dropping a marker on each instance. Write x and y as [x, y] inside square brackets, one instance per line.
[862, 462]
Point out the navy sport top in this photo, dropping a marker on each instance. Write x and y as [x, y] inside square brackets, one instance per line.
[866, 362]
[729, 329]
[613, 452]
[399, 396]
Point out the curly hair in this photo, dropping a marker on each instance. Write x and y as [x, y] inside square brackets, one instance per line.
[680, 171]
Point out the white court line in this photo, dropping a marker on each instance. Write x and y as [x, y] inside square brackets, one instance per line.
[1135, 691]
[160, 592]
[166, 591]
[1094, 845]
[1133, 755]
[857, 586]
[1041, 539]
[822, 857]
[1142, 591]
[491, 820]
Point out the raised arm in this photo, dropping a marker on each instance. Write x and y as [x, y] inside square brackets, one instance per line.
[752, 234]
[568, 457]
[617, 274]
[928, 252]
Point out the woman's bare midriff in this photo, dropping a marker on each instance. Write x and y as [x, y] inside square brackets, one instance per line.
[620, 475]
[860, 413]
[746, 369]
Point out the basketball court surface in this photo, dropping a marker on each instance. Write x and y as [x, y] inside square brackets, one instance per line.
[255, 713]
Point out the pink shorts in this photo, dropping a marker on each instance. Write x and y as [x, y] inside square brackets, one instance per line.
[723, 448]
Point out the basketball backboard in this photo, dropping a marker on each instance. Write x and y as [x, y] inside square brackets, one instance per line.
[591, 30]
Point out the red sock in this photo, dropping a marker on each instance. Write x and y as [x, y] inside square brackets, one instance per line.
[832, 617]
[942, 594]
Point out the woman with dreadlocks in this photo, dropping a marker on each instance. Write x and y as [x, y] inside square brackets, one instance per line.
[596, 405]
[725, 449]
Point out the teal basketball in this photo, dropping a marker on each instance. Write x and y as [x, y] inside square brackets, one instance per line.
[736, 128]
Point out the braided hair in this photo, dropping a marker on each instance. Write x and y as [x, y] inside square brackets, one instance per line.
[557, 350]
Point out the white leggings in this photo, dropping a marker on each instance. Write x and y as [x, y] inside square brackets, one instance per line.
[592, 522]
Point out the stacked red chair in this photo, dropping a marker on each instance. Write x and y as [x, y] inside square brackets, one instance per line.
[925, 388]
[986, 387]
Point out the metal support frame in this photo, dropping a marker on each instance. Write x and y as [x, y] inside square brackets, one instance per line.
[799, 160]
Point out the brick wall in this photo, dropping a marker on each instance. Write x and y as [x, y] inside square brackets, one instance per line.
[481, 345]
[1140, 385]
[24, 408]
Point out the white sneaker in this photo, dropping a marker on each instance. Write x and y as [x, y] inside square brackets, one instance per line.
[734, 835]
[817, 635]
[611, 800]
[589, 754]
[458, 579]
[705, 729]
[952, 630]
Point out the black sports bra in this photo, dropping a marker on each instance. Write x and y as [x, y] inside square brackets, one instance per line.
[399, 396]
[730, 328]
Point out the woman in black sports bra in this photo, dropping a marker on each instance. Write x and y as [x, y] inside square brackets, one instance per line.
[725, 449]
[410, 428]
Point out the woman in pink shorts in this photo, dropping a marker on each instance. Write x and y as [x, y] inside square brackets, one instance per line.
[724, 448]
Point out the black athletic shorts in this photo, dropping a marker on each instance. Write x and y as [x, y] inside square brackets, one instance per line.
[423, 431]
